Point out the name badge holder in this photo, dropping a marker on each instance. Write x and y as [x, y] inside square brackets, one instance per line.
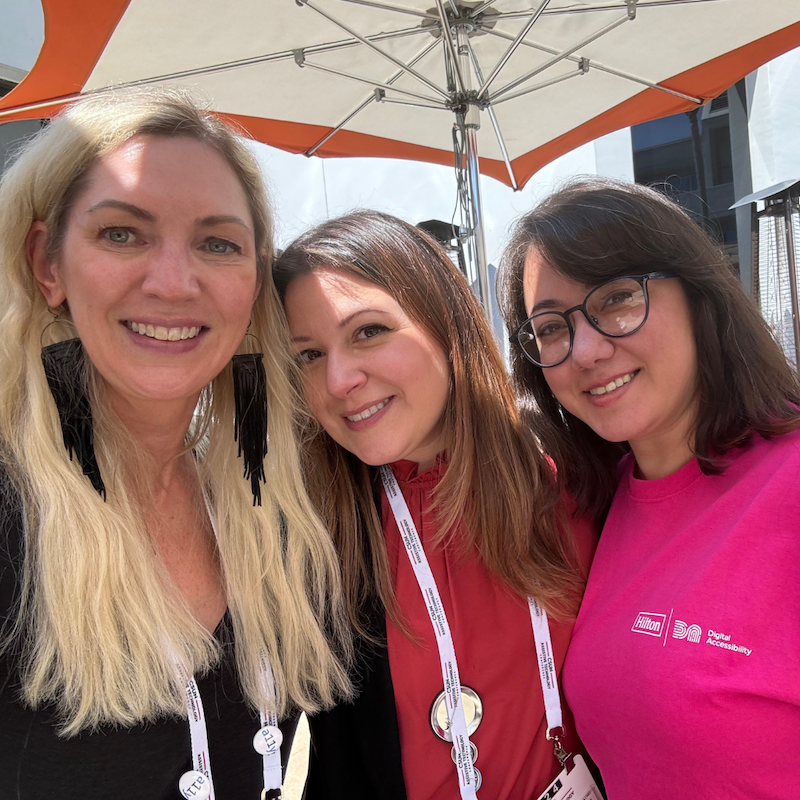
[574, 782]
[198, 783]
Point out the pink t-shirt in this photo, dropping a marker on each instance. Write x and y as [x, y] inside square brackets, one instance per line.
[684, 668]
[496, 654]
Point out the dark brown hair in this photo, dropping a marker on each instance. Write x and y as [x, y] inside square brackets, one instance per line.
[596, 229]
[497, 479]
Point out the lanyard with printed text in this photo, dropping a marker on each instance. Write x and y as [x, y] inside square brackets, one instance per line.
[197, 783]
[444, 642]
[441, 629]
[548, 677]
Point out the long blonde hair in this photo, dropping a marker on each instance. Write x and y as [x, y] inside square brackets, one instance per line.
[100, 619]
[498, 481]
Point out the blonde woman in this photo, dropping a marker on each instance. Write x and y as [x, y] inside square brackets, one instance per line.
[160, 609]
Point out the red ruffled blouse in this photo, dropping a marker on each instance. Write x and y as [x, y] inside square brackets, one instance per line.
[496, 654]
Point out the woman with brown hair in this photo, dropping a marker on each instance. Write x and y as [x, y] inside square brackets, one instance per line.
[399, 368]
[667, 406]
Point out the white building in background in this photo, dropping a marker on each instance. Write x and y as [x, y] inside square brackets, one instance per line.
[20, 41]
[745, 141]
[774, 131]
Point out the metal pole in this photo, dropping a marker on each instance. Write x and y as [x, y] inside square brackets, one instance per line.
[479, 242]
[790, 251]
[471, 125]
[755, 261]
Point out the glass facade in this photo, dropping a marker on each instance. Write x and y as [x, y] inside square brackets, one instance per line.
[689, 157]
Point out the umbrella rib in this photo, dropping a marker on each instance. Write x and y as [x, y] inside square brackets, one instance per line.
[534, 16]
[595, 9]
[481, 8]
[503, 149]
[397, 102]
[398, 9]
[64, 98]
[448, 45]
[560, 57]
[381, 53]
[635, 79]
[283, 55]
[603, 68]
[332, 133]
[369, 82]
[543, 85]
[493, 117]
[425, 50]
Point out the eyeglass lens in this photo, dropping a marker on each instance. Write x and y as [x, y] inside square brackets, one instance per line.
[616, 308]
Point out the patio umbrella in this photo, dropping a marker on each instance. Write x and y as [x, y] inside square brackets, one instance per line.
[518, 82]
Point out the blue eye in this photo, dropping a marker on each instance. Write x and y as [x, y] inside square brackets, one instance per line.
[221, 247]
[117, 235]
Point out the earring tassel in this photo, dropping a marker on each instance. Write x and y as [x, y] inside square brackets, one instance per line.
[250, 422]
[64, 369]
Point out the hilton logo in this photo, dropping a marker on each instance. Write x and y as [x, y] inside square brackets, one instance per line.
[651, 624]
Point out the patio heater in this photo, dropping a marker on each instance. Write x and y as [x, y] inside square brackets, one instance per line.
[775, 260]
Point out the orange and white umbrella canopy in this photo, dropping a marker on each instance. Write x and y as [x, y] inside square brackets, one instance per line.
[364, 78]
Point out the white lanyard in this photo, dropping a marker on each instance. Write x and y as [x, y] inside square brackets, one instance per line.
[268, 740]
[444, 639]
[198, 784]
[548, 677]
[444, 642]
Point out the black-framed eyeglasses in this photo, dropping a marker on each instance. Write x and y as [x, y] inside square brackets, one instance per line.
[616, 308]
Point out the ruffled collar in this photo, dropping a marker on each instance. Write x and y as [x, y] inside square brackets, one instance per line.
[406, 472]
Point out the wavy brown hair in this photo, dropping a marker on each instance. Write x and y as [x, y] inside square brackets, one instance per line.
[497, 480]
[596, 229]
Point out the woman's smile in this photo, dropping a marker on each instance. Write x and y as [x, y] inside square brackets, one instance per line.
[370, 413]
[164, 333]
[173, 340]
[607, 387]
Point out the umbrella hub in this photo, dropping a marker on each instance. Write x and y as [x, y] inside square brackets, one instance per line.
[462, 102]
[478, 25]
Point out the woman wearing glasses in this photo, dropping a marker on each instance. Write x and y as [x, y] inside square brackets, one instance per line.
[666, 404]
[400, 368]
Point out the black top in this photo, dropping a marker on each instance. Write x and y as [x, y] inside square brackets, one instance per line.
[142, 761]
[355, 747]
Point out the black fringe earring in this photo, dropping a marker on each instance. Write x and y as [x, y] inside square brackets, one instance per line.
[64, 368]
[250, 422]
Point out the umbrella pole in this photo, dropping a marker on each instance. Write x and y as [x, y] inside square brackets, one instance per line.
[790, 252]
[471, 123]
[476, 218]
